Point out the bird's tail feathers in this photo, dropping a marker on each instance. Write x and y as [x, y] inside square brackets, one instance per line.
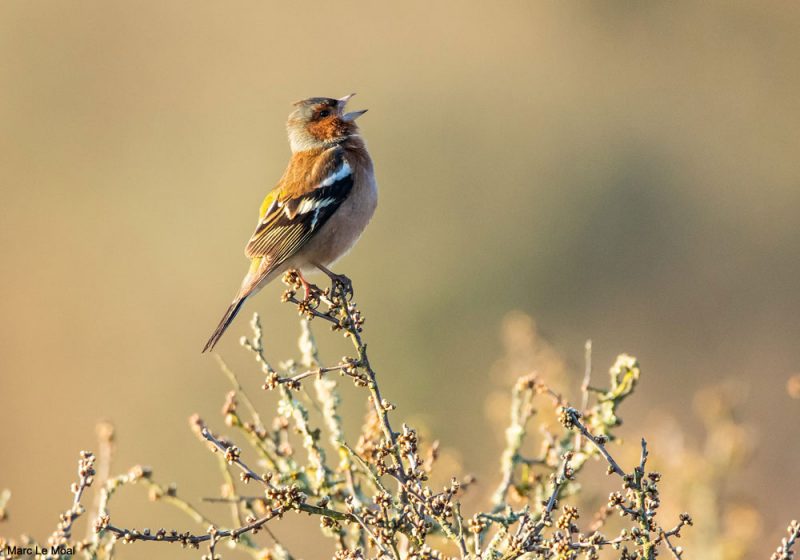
[230, 314]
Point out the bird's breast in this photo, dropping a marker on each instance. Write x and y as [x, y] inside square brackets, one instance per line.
[338, 235]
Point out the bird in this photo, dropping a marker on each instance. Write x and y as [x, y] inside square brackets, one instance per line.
[319, 207]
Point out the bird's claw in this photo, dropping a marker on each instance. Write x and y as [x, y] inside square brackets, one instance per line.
[339, 283]
[344, 283]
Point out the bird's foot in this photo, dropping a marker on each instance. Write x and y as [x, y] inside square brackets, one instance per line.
[306, 285]
[345, 283]
[295, 280]
[338, 281]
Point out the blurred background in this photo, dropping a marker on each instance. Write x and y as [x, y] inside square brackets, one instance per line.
[625, 172]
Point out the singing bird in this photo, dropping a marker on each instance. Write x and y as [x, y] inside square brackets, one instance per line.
[320, 206]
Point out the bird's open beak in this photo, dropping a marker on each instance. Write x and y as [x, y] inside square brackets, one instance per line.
[349, 117]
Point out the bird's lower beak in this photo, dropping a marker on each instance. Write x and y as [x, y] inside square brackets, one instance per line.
[349, 117]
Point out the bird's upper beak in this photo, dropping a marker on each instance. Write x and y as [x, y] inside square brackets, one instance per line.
[349, 117]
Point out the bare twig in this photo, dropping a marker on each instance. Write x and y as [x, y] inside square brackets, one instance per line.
[599, 442]
[132, 535]
[784, 551]
[86, 473]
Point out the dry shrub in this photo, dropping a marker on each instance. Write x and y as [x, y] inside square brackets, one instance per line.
[373, 493]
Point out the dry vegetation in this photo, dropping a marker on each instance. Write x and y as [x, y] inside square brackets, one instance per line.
[373, 492]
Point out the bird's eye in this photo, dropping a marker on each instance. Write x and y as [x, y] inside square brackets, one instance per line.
[324, 113]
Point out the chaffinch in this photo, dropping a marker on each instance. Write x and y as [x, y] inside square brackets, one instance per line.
[320, 206]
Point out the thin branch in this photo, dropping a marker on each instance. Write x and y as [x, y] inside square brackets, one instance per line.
[521, 412]
[131, 535]
[784, 551]
[234, 380]
[232, 456]
[314, 372]
[86, 472]
[574, 418]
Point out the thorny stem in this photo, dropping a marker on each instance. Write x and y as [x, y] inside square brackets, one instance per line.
[558, 482]
[440, 519]
[339, 301]
[186, 538]
[372, 536]
[545, 517]
[648, 547]
[306, 508]
[678, 554]
[316, 454]
[105, 440]
[239, 389]
[377, 399]
[784, 551]
[168, 495]
[575, 419]
[644, 521]
[86, 473]
[462, 543]
[315, 372]
[587, 378]
[229, 487]
[367, 469]
[521, 412]
[399, 526]
[231, 456]
[252, 475]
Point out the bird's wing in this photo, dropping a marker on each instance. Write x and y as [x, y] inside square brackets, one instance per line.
[292, 213]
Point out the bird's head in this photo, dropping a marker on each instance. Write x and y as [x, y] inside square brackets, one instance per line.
[317, 122]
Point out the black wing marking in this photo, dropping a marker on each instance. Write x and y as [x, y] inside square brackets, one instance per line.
[289, 224]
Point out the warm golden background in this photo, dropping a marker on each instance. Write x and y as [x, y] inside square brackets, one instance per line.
[625, 171]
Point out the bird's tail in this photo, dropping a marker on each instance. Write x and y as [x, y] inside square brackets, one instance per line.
[230, 314]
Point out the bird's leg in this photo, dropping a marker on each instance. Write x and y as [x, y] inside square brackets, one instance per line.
[340, 279]
[305, 283]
